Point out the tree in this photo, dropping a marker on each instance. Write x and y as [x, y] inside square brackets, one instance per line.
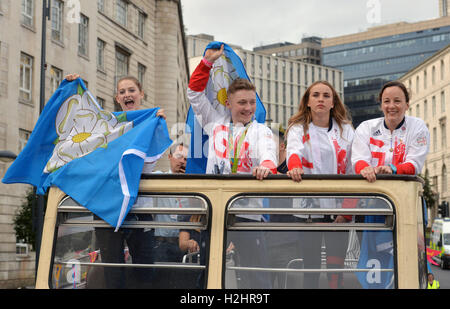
[428, 193]
[24, 218]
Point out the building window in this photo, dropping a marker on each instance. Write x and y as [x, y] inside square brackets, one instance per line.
[56, 76]
[434, 183]
[57, 20]
[141, 74]
[306, 75]
[433, 106]
[433, 75]
[121, 12]
[26, 75]
[83, 35]
[434, 139]
[443, 102]
[101, 54]
[424, 79]
[417, 84]
[101, 6]
[276, 69]
[442, 69]
[122, 62]
[24, 135]
[141, 24]
[27, 13]
[443, 135]
[425, 107]
[444, 178]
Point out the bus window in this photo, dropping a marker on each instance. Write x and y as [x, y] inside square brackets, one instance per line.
[309, 242]
[88, 252]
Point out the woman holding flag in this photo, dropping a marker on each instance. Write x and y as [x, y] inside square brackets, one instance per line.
[139, 241]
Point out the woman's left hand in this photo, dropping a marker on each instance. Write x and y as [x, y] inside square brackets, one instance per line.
[384, 169]
[160, 113]
[261, 172]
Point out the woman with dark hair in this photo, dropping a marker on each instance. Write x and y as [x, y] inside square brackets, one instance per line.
[393, 144]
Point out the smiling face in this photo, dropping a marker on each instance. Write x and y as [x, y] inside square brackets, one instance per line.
[393, 105]
[242, 105]
[320, 99]
[129, 95]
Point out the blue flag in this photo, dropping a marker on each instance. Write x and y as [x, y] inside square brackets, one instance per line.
[94, 156]
[377, 252]
[224, 71]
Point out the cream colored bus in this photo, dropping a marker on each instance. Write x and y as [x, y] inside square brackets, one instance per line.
[327, 231]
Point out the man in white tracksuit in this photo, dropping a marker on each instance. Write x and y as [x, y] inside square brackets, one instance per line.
[238, 144]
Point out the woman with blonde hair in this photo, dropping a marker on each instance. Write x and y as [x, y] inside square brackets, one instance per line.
[319, 140]
[320, 129]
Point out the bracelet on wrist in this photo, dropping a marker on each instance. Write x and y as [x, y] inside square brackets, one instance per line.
[210, 64]
[393, 168]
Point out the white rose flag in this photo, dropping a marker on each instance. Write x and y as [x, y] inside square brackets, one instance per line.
[92, 155]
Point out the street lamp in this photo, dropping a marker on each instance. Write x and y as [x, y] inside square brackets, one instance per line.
[7, 156]
[38, 216]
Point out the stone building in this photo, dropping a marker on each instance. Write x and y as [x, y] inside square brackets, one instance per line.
[102, 41]
[429, 84]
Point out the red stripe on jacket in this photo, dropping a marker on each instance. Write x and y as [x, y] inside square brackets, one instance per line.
[294, 162]
[406, 169]
[376, 142]
[270, 165]
[199, 79]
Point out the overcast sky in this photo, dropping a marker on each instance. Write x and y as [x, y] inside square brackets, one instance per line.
[251, 23]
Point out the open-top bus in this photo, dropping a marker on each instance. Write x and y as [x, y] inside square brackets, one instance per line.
[273, 233]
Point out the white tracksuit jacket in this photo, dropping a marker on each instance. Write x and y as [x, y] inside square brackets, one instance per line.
[304, 151]
[258, 147]
[406, 147]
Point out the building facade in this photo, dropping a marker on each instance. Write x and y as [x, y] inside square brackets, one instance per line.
[371, 58]
[429, 84]
[101, 40]
[280, 81]
[309, 50]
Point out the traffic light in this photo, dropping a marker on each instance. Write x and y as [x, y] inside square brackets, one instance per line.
[443, 209]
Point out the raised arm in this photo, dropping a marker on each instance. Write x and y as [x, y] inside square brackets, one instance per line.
[200, 104]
